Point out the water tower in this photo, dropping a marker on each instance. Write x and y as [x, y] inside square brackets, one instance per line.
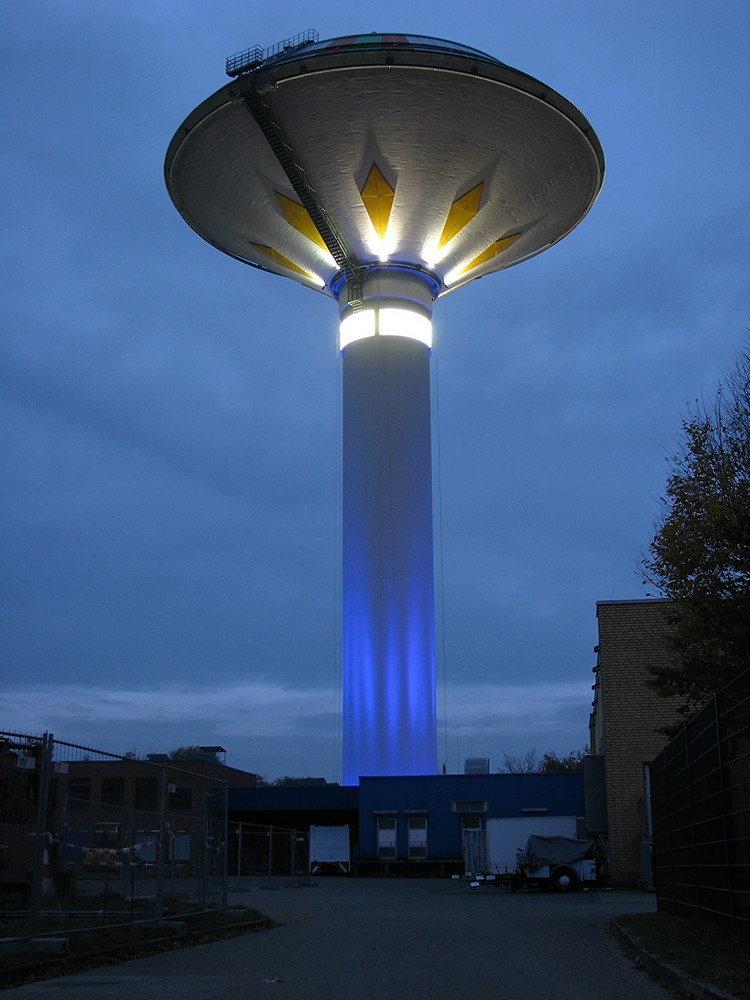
[384, 171]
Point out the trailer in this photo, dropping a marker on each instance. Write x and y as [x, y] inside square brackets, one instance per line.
[560, 863]
[506, 837]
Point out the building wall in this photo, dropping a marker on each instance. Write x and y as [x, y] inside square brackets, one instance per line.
[628, 718]
[444, 801]
[110, 803]
[296, 807]
[447, 804]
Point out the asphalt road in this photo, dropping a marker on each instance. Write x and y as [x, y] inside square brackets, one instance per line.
[377, 939]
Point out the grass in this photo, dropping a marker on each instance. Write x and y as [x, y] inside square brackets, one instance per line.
[111, 945]
[708, 953]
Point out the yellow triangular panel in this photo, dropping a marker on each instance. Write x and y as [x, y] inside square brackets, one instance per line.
[279, 258]
[377, 197]
[461, 213]
[492, 251]
[298, 216]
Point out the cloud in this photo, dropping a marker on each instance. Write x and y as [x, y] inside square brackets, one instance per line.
[264, 725]
[270, 709]
[170, 425]
[482, 707]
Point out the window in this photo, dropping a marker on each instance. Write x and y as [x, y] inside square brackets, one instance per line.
[79, 794]
[417, 828]
[179, 846]
[471, 822]
[113, 793]
[386, 837]
[147, 794]
[469, 806]
[181, 793]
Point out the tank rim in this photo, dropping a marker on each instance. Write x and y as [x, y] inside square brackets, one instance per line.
[380, 42]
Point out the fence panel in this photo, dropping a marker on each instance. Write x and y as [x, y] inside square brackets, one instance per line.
[700, 793]
[89, 838]
[267, 850]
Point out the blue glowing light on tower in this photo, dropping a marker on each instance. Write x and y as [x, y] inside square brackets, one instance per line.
[384, 171]
[388, 615]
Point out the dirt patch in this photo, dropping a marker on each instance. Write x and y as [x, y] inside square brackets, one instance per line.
[110, 946]
[703, 951]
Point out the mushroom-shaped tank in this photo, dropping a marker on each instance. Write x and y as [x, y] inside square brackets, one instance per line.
[333, 158]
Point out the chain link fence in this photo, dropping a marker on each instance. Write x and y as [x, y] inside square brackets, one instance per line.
[90, 838]
[256, 850]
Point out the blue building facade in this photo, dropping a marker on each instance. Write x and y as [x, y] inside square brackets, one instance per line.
[415, 824]
[425, 818]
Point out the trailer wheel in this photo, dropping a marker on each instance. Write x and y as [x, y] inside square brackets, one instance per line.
[564, 879]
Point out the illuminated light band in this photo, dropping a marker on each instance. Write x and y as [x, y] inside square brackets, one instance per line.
[385, 322]
[393, 304]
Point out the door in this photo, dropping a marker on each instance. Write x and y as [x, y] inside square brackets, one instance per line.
[475, 851]
[386, 837]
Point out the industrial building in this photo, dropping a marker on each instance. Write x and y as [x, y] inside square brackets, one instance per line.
[437, 825]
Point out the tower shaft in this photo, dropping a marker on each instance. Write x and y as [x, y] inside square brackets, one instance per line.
[388, 652]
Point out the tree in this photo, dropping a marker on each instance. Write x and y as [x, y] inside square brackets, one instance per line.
[700, 554]
[573, 761]
[527, 763]
[531, 763]
[288, 781]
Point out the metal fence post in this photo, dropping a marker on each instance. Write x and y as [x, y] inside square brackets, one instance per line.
[40, 833]
[225, 864]
[159, 900]
[203, 866]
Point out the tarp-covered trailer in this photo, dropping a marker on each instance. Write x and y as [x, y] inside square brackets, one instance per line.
[507, 836]
[561, 863]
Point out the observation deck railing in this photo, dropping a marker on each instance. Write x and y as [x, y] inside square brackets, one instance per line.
[250, 59]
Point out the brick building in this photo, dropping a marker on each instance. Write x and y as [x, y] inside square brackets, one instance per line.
[114, 804]
[627, 723]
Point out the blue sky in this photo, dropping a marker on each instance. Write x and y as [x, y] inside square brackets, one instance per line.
[171, 418]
